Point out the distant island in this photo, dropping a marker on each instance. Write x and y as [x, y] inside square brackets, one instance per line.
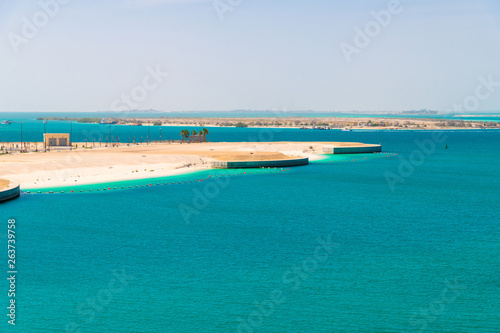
[420, 112]
[79, 120]
[292, 121]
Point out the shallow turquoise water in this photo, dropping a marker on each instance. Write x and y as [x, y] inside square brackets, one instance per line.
[241, 253]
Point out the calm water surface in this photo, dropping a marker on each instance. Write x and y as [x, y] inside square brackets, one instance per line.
[328, 247]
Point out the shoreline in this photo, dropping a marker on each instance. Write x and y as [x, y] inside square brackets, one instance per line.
[494, 115]
[63, 168]
[288, 121]
[374, 128]
[88, 180]
[125, 183]
[331, 129]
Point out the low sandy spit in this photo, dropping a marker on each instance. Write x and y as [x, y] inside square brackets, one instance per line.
[109, 164]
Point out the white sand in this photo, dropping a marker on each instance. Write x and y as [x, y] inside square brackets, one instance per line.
[101, 165]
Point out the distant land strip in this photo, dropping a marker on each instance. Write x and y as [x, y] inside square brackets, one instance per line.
[333, 122]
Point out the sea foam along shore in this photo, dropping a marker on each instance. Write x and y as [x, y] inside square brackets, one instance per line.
[60, 168]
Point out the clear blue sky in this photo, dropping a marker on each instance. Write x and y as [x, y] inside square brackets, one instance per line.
[263, 55]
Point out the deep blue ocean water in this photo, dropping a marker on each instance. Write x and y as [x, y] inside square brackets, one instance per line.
[390, 243]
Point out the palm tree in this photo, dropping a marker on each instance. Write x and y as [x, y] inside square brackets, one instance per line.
[205, 132]
[186, 134]
[182, 135]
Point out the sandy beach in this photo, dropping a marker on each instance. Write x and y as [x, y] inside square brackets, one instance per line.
[108, 164]
[4, 184]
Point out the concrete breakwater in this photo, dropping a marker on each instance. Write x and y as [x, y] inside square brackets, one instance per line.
[353, 149]
[8, 190]
[260, 164]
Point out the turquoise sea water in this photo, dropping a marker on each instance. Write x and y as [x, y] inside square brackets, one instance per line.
[32, 129]
[329, 247]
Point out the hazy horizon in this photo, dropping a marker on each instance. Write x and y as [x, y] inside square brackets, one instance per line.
[278, 112]
[201, 55]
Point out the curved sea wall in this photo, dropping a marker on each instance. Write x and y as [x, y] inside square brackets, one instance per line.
[259, 164]
[353, 149]
[10, 192]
